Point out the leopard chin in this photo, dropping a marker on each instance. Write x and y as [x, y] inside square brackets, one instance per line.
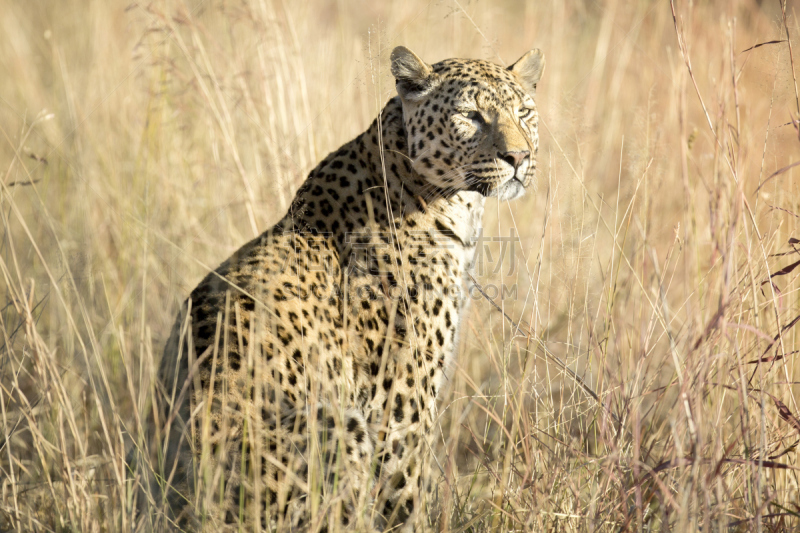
[510, 190]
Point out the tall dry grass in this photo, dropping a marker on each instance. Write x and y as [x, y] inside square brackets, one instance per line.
[143, 143]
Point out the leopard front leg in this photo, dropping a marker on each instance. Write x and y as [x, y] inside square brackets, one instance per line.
[403, 466]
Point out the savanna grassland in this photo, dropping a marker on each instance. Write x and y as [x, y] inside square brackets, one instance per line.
[657, 259]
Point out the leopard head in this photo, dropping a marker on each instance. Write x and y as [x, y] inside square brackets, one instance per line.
[471, 124]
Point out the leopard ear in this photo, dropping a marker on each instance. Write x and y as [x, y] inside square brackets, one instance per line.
[529, 70]
[414, 78]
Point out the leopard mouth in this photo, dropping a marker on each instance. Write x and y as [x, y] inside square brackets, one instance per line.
[504, 185]
[512, 188]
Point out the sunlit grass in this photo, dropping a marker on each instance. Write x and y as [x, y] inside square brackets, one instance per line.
[143, 143]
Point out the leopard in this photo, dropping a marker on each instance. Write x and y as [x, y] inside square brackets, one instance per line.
[298, 387]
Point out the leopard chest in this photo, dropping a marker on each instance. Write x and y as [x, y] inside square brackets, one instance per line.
[407, 300]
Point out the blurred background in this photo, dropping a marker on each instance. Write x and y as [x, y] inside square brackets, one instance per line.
[142, 143]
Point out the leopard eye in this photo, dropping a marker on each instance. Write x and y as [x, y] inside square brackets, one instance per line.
[474, 116]
[524, 112]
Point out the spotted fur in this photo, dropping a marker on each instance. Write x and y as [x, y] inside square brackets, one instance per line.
[298, 388]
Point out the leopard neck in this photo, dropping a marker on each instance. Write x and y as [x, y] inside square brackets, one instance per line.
[408, 192]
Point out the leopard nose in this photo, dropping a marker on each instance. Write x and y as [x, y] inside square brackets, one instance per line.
[514, 159]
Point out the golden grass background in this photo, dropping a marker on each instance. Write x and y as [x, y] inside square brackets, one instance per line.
[144, 142]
